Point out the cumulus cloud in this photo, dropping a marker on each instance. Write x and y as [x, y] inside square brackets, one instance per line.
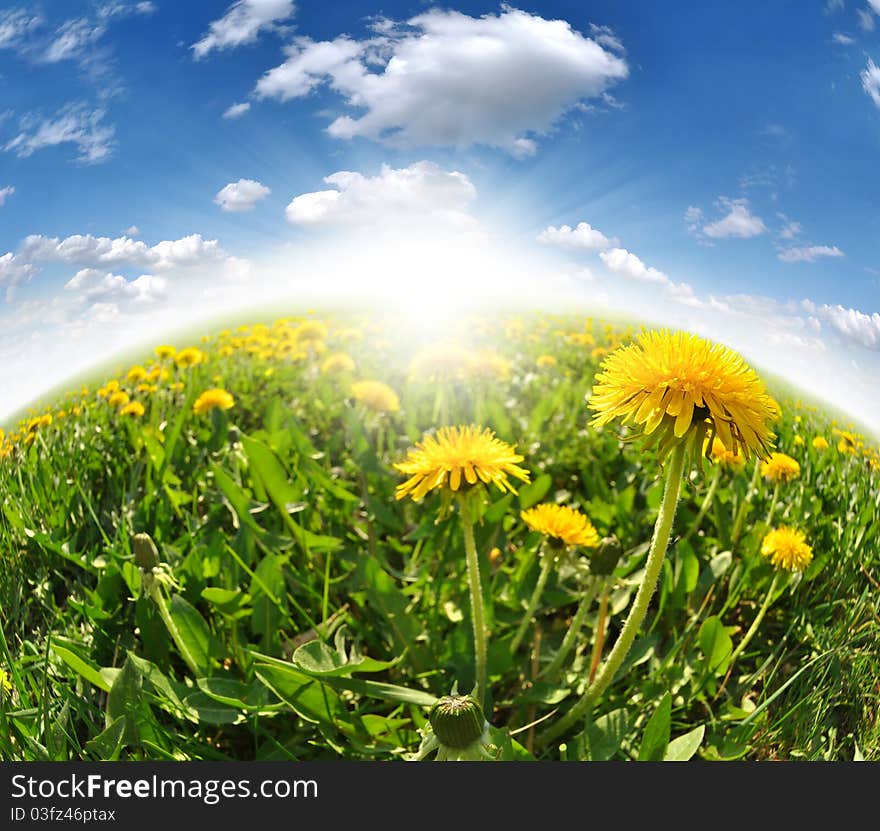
[241, 195]
[739, 221]
[13, 272]
[96, 286]
[871, 81]
[447, 79]
[582, 237]
[808, 253]
[851, 323]
[242, 23]
[75, 124]
[5, 193]
[422, 193]
[237, 110]
[626, 264]
[95, 252]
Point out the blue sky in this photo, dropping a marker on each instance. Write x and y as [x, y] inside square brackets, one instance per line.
[713, 166]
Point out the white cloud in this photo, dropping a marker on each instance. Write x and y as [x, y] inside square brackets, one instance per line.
[809, 253]
[237, 110]
[422, 193]
[95, 286]
[72, 39]
[858, 326]
[604, 35]
[5, 193]
[446, 79]
[241, 195]
[132, 231]
[871, 81]
[842, 39]
[866, 19]
[242, 23]
[13, 272]
[582, 237]
[790, 229]
[737, 222]
[95, 252]
[16, 25]
[73, 124]
[625, 263]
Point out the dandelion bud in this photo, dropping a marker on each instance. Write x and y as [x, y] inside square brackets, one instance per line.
[604, 559]
[457, 721]
[146, 555]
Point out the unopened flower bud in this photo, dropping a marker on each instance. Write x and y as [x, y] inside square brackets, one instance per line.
[457, 720]
[146, 555]
[604, 559]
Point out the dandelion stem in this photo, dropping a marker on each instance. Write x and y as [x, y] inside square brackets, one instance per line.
[476, 592]
[599, 639]
[747, 498]
[639, 608]
[707, 503]
[773, 500]
[754, 627]
[574, 629]
[547, 561]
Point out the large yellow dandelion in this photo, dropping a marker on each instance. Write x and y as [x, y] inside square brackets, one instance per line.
[213, 399]
[678, 383]
[787, 548]
[563, 525]
[456, 456]
[376, 396]
[780, 468]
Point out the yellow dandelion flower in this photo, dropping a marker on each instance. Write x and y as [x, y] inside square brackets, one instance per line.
[798, 440]
[563, 525]
[720, 454]
[164, 352]
[310, 331]
[148, 389]
[848, 441]
[133, 408]
[787, 548]
[780, 468]
[340, 362]
[213, 399]
[452, 454]
[190, 356]
[136, 373]
[118, 399]
[545, 361]
[376, 396]
[598, 353]
[820, 443]
[679, 382]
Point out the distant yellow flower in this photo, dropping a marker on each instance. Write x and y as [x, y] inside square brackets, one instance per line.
[798, 440]
[136, 373]
[164, 352]
[848, 441]
[441, 460]
[820, 443]
[213, 399]
[780, 468]
[787, 548]
[190, 356]
[118, 399]
[340, 362]
[147, 388]
[376, 396]
[679, 382]
[544, 361]
[488, 364]
[111, 386]
[564, 525]
[581, 339]
[310, 332]
[720, 454]
[598, 353]
[133, 408]
[440, 362]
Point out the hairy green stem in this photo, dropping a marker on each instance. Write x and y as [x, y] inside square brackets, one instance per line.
[476, 591]
[574, 628]
[639, 608]
[747, 498]
[547, 561]
[773, 501]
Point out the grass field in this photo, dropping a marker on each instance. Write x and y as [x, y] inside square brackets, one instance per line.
[286, 604]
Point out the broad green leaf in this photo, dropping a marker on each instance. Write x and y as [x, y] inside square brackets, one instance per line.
[603, 738]
[191, 635]
[655, 739]
[715, 643]
[534, 492]
[317, 658]
[87, 670]
[683, 748]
